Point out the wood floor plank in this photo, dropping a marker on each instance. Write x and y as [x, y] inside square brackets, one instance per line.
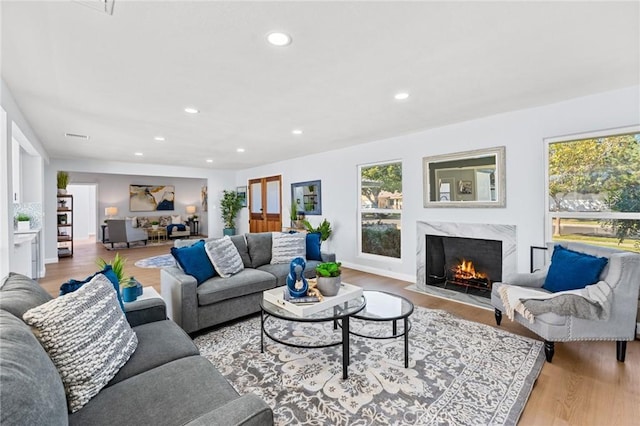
[584, 385]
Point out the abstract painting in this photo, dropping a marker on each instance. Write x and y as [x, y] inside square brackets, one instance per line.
[149, 198]
[204, 198]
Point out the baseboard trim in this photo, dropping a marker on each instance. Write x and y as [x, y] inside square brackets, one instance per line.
[51, 260]
[390, 274]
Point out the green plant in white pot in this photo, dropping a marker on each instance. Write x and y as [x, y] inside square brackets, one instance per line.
[24, 222]
[63, 181]
[329, 278]
[230, 205]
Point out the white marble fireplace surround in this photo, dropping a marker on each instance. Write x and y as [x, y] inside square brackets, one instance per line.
[504, 233]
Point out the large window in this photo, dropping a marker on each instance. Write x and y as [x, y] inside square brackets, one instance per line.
[381, 209]
[594, 189]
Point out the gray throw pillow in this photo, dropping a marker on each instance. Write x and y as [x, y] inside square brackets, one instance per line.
[86, 336]
[286, 247]
[224, 256]
[259, 245]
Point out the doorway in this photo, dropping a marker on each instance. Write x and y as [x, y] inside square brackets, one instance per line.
[85, 212]
[265, 204]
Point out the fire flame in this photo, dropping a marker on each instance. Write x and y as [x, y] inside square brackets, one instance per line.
[467, 271]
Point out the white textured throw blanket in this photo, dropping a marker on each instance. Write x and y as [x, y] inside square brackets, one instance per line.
[592, 302]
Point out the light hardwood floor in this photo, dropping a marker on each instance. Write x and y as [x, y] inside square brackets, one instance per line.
[584, 385]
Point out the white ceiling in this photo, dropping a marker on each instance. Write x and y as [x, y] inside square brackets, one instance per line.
[125, 78]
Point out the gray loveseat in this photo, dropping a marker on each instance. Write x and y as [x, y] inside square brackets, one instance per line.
[219, 300]
[165, 382]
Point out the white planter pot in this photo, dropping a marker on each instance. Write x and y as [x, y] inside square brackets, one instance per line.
[154, 227]
[24, 226]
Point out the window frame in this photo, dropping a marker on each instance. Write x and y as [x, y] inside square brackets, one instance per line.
[549, 215]
[360, 211]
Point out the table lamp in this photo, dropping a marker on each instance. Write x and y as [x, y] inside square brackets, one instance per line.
[111, 212]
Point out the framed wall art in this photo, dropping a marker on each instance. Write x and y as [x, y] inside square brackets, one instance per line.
[242, 195]
[149, 198]
[307, 197]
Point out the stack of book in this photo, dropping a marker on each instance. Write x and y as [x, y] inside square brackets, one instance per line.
[298, 300]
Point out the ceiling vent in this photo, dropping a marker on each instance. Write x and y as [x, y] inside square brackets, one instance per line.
[105, 6]
[77, 136]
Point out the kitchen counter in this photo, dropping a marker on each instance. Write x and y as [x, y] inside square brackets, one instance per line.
[22, 238]
[30, 231]
[26, 253]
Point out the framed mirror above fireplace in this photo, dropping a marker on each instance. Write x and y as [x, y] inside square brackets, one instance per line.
[465, 179]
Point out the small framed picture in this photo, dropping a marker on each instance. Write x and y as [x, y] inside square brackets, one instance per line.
[242, 194]
[465, 187]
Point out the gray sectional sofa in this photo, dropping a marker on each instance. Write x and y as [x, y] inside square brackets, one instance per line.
[165, 382]
[219, 300]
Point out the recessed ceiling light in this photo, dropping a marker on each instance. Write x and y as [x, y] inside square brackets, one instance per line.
[279, 39]
[401, 96]
[159, 138]
[209, 160]
[240, 149]
[139, 154]
[191, 110]
[296, 131]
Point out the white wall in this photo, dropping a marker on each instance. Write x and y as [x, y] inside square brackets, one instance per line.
[14, 125]
[114, 178]
[522, 132]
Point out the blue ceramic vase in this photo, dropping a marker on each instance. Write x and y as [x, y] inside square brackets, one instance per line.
[129, 294]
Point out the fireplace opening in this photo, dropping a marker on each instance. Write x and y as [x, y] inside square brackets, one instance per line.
[469, 265]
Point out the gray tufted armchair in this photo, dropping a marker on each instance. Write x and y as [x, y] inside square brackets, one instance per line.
[622, 274]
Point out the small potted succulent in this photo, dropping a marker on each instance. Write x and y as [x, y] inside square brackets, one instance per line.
[24, 222]
[329, 278]
[154, 225]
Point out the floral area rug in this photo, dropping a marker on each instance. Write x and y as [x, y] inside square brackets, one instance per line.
[460, 372]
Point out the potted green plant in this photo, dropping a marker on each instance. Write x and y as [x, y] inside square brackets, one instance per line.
[128, 285]
[230, 205]
[324, 229]
[329, 278]
[24, 222]
[296, 223]
[63, 181]
[154, 225]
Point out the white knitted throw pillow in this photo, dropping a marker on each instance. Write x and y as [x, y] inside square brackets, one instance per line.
[224, 256]
[285, 247]
[86, 336]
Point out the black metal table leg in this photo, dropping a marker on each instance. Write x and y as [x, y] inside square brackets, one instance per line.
[345, 347]
[395, 327]
[261, 330]
[406, 342]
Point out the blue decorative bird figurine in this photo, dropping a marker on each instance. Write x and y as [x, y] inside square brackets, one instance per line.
[296, 282]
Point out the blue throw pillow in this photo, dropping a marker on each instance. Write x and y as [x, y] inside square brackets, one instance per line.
[313, 246]
[194, 261]
[572, 270]
[72, 285]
